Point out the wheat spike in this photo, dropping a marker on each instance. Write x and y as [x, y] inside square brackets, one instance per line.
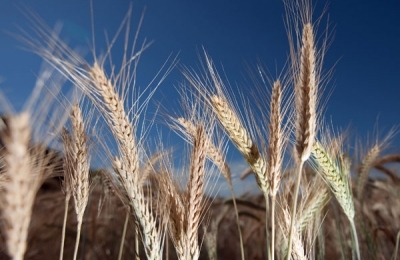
[213, 153]
[275, 148]
[195, 190]
[79, 176]
[306, 95]
[117, 118]
[20, 184]
[174, 208]
[337, 180]
[128, 165]
[297, 251]
[366, 165]
[242, 141]
[151, 235]
[318, 200]
[80, 160]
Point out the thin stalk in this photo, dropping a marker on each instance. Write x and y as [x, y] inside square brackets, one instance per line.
[238, 223]
[355, 239]
[273, 198]
[78, 236]
[167, 249]
[137, 240]
[395, 253]
[121, 247]
[294, 208]
[266, 225]
[64, 227]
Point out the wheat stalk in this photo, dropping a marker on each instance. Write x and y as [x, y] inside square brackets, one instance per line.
[66, 184]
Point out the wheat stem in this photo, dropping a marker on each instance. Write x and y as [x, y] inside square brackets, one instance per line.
[356, 247]
[294, 209]
[121, 247]
[78, 236]
[396, 250]
[64, 227]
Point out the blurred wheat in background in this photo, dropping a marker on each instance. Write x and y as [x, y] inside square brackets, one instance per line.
[317, 200]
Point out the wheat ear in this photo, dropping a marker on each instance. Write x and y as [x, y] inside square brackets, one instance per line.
[338, 180]
[172, 209]
[366, 165]
[306, 104]
[151, 236]
[241, 138]
[215, 155]
[80, 175]
[175, 209]
[195, 191]
[297, 244]
[20, 186]
[306, 96]
[249, 150]
[128, 165]
[275, 150]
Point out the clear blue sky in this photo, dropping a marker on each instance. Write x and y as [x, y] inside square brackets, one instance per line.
[365, 46]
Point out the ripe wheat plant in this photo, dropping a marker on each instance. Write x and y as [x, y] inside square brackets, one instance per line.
[144, 203]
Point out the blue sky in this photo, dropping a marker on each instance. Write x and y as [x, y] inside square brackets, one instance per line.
[365, 50]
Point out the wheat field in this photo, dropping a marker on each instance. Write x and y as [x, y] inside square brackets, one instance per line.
[315, 199]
